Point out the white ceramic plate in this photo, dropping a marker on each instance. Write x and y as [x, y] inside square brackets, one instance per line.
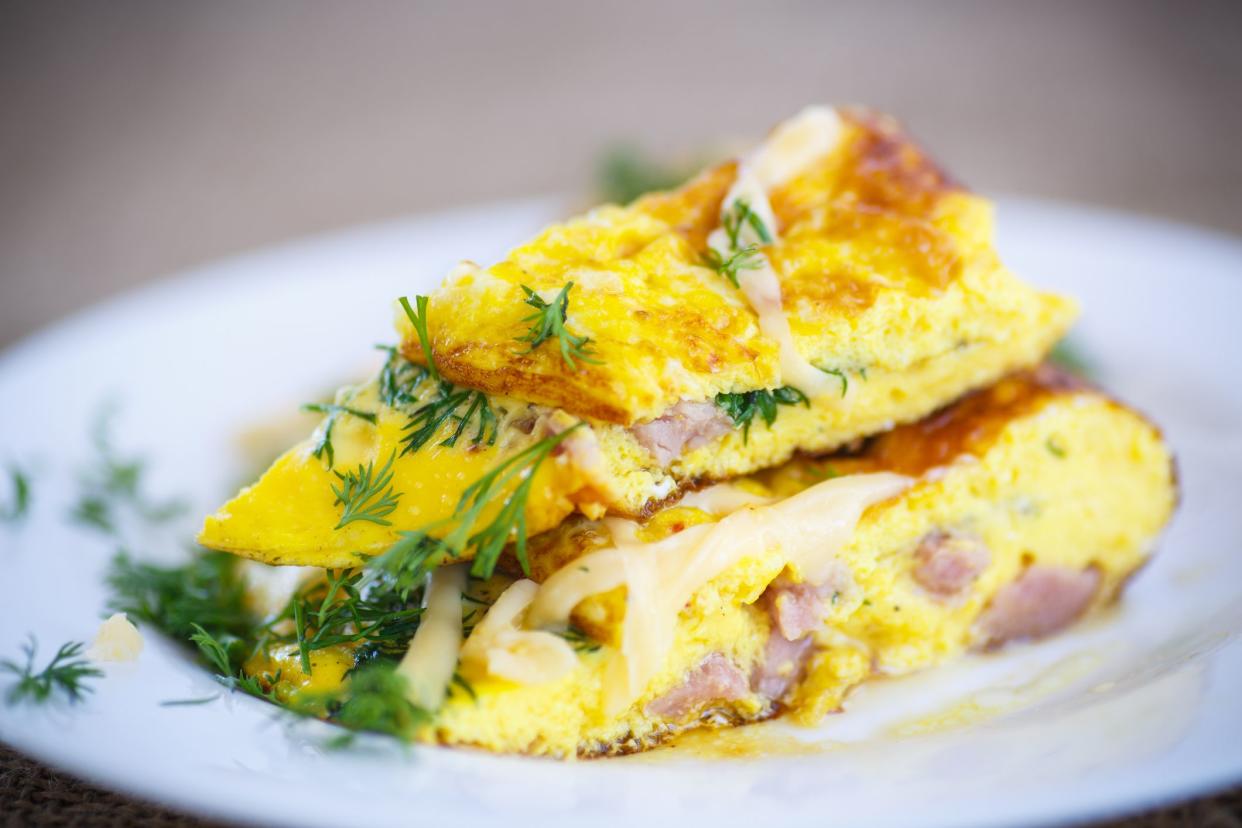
[1129, 711]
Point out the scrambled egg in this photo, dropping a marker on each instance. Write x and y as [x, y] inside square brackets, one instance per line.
[1039, 471]
[888, 278]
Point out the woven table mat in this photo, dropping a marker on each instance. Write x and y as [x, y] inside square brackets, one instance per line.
[33, 794]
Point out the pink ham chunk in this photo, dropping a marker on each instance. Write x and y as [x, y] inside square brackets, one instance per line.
[948, 563]
[1043, 600]
[686, 425]
[716, 679]
[797, 609]
[782, 667]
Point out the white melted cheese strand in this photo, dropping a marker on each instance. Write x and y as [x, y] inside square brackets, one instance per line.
[808, 530]
[791, 147]
[497, 647]
[722, 499]
[431, 659]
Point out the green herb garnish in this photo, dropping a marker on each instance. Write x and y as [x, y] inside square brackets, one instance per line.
[221, 656]
[1070, 355]
[419, 321]
[375, 699]
[20, 484]
[426, 421]
[548, 321]
[1055, 448]
[625, 173]
[399, 379]
[67, 673]
[839, 374]
[743, 407]
[333, 412]
[206, 590]
[747, 258]
[581, 642]
[739, 216]
[365, 494]
[408, 560]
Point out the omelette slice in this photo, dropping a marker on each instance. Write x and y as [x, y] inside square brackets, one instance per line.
[828, 285]
[1006, 516]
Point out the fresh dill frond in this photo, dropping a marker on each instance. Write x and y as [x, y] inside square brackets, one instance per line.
[419, 320]
[625, 173]
[841, 375]
[365, 494]
[345, 610]
[66, 673]
[220, 656]
[206, 590]
[509, 483]
[579, 640]
[19, 482]
[333, 412]
[747, 258]
[466, 687]
[548, 321]
[426, 421]
[113, 483]
[739, 216]
[1055, 448]
[399, 379]
[375, 699]
[742, 408]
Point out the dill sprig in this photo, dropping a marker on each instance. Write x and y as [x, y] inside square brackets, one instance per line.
[20, 484]
[579, 640]
[625, 173]
[408, 560]
[419, 320]
[206, 590]
[375, 699]
[333, 412]
[841, 375]
[220, 654]
[344, 610]
[739, 216]
[548, 321]
[365, 494]
[426, 421]
[742, 408]
[113, 483]
[399, 379]
[747, 258]
[67, 673]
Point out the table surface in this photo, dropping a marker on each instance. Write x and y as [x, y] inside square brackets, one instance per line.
[142, 137]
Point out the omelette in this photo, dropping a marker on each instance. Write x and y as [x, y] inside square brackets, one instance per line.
[826, 286]
[1007, 515]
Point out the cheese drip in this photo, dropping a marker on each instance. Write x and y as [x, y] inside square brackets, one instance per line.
[498, 647]
[431, 659]
[807, 531]
[791, 147]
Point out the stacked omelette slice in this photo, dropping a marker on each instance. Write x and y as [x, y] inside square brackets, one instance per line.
[720, 454]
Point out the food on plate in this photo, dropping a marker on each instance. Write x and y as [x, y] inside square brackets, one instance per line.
[826, 286]
[1005, 516]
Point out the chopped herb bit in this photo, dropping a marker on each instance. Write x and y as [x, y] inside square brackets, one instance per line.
[408, 560]
[625, 173]
[399, 379]
[425, 422]
[419, 321]
[460, 681]
[365, 494]
[742, 408]
[747, 258]
[20, 484]
[219, 654]
[113, 483]
[333, 412]
[67, 673]
[738, 217]
[839, 374]
[548, 321]
[344, 610]
[207, 590]
[1055, 448]
[581, 642]
[189, 702]
[375, 699]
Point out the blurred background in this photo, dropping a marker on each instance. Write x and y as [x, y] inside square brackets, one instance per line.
[140, 137]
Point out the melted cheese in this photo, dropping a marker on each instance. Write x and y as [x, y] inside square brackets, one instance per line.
[498, 647]
[807, 530]
[117, 640]
[722, 499]
[429, 663]
[792, 147]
